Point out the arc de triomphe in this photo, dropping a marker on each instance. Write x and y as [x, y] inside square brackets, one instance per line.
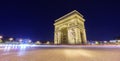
[70, 29]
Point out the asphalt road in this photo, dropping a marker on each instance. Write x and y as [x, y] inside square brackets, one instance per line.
[60, 54]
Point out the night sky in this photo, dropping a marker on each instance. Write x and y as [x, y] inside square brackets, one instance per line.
[34, 18]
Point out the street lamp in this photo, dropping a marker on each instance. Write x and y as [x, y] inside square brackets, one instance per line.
[29, 41]
[20, 40]
[11, 39]
[1, 37]
[38, 42]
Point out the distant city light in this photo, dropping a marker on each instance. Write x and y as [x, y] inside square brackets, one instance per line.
[20, 40]
[47, 42]
[1, 37]
[105, 41]
[37, 42]
[10, 39]
[29, 41]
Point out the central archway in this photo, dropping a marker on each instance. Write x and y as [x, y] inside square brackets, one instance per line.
[64, 36]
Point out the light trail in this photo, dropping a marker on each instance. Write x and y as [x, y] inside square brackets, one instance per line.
[24, 46]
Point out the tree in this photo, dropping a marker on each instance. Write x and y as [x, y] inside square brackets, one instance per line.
[117, 38]
[37, 42]
[1, 41]
[47, 42]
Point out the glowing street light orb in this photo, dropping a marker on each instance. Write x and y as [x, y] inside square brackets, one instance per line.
[10, 39]
[20, 40]
[29, 41]
[37, 42]
[1, 37]
[47, 42]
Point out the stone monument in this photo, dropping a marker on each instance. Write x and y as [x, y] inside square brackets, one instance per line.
[70, 29]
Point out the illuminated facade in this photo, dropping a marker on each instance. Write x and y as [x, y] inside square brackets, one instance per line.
[70, 29]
